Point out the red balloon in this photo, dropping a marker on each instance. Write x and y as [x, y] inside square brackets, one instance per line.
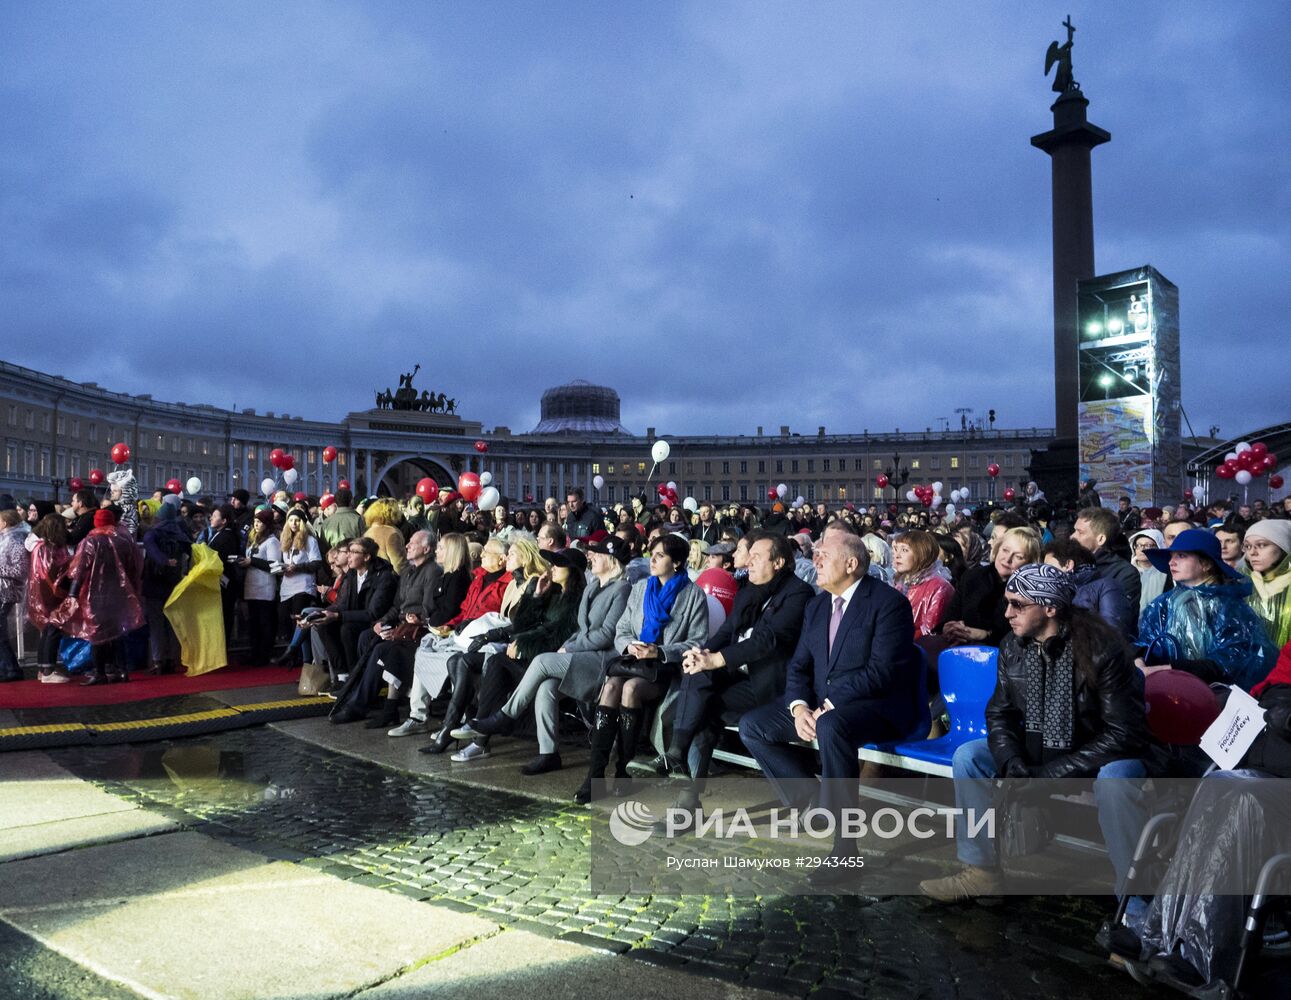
[662, 490]
[468, 484]
[992, 470]
[344, 484]
[287, 462]
[1224, 470]
[174, 486]
[1010, 493]
[1270, 461]
[74, 484]
[528, 498]
[120, 453]
[881, 481]
[481, 446]
[926, 500]
[275, 458]
[329, 454]
[427, 489]
[1275, 482]
[301, 497]
[772, 494]
[1181, 706]
[719, 584]
[1259, 448]
[97, 477]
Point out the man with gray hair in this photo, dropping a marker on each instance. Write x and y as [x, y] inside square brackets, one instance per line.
[856, 677]
[1068, 704]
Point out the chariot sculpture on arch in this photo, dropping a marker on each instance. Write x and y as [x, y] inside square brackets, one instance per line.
[407, 398]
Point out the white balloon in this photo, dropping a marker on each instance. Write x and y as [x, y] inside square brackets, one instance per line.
[911, 495]
[598, 481]
[801, 500]
[936, 487]
[486, 478]
[193, 486]
[1243, 446]
[672, 486]
[1231, 457]
[489, 498]
[1198, 492]
[289, 476]
[950, 510]
[782, 491]
[266, 486]
[936, 500]
[691, 504]
[660, 451]
[1243, 477]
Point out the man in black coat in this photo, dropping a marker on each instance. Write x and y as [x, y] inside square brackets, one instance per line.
[1095, 527]
[84, 504]
[581, 520]
[378, 653]
[743, 665]
[226, 542]
[367, 592]
[1068, 703]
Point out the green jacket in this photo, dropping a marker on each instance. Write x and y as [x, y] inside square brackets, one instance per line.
[344, 524]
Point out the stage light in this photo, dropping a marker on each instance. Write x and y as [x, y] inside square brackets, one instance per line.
[1094, 329]
[1115, 326]
[1105, 380]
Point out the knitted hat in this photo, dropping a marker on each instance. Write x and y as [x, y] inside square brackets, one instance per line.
[167, 512]
[1277, 532]
[105, 517]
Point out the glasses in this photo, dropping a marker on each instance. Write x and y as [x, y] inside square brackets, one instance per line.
[1020, 605]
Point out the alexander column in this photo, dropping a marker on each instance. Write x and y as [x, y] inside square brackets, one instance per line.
[1068, 144]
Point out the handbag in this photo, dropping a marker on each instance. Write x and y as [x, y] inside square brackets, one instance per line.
[314, 680]
[1023, 826]
[630, 666]
[407, 632]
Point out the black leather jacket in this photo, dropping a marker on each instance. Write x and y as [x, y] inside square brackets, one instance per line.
[1110, 721]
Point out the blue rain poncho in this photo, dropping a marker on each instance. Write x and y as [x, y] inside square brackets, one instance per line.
[1211, 622]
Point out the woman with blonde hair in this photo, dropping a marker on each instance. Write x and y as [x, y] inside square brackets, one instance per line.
[976, 613]
[383, 518]
[301, 560]
[524, 562]
[880, 556]
[698, 556]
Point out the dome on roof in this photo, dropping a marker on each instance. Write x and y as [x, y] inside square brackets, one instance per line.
[578, 407]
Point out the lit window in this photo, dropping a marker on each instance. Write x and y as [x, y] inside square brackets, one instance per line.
[954, 461]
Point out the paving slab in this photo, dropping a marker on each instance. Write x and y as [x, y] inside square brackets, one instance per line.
[517, 964]
[44, 809]
[185, 916]
[234, 697]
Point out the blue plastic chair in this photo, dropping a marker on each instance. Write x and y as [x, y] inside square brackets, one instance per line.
[968, 676]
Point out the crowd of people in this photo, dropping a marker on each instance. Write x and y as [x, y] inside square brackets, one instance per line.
[796, 624]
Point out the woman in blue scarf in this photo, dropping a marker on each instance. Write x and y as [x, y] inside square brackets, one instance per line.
[666, 615]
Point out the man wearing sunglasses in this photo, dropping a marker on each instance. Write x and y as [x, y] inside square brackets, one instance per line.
[1068, 704]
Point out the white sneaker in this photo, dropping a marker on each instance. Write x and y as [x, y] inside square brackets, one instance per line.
[342, 678]
[465, 732]
[410, 727]
[472, 753]
[54, 677]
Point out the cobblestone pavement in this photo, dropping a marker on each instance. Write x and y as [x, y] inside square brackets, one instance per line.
[524, 863]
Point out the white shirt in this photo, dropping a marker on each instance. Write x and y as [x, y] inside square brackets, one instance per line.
[358, 582]
[847, 596]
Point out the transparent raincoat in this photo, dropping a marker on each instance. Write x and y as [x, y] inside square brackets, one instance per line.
[44, 595]
[1210, 622]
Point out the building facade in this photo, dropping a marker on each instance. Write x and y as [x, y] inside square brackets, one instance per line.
[55, 430]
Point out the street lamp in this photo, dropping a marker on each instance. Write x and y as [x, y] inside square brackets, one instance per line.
[897, 475]
[57, 484]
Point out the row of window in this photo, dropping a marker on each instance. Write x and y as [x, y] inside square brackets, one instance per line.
[112, 433]
[932, 463]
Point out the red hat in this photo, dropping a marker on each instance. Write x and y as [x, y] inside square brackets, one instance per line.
[104, 517]
[327, 500]
[596, 537]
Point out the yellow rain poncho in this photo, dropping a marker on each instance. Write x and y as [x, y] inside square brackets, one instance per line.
[195, 611]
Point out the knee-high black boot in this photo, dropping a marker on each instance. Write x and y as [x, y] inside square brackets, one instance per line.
[605, 730]
[629, 733]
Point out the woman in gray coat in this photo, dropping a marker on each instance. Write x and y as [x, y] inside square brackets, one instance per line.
[583, 653]
[666, 615]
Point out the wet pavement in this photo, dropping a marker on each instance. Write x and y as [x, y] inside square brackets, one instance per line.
[523, 864]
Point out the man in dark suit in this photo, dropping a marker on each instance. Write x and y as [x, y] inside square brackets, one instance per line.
[742, 667]
[367, 592]
[856, 677]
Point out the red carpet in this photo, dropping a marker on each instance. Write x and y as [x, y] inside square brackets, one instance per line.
[33, 694]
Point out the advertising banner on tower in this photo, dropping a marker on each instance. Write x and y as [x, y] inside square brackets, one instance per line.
[1129, 386]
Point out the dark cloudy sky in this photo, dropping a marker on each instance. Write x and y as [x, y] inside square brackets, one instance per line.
[736, 214]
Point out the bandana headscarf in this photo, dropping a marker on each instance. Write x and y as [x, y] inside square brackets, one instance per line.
[1043, 584]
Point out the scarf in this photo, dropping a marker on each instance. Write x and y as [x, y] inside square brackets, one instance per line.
[659, 599]
[750, 609]
[1051, 691]
[1270, 601]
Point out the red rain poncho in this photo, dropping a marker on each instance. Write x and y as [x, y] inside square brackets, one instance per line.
[48, 563]
[106, 570]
